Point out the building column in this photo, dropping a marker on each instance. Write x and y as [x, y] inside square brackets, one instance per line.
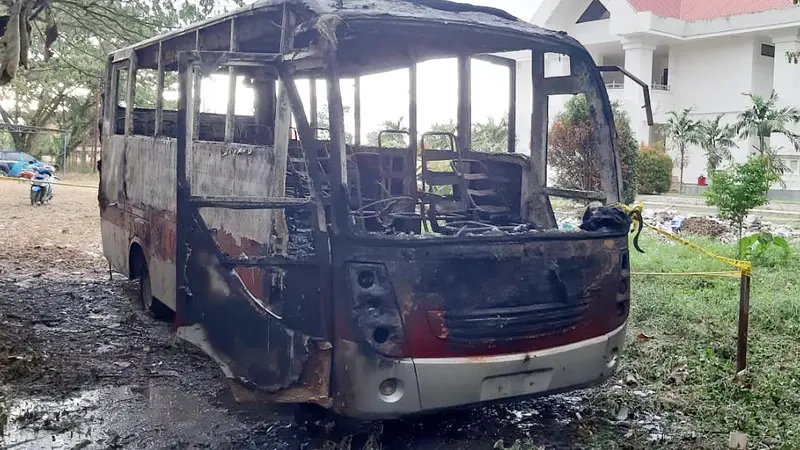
[786, 82]
[639, 62]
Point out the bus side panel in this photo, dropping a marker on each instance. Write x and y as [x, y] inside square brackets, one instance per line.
[148, 191]
[150, 186]
[116, 239]
[265, 339]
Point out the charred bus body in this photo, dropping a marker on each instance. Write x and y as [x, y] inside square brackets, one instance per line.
[377, 282]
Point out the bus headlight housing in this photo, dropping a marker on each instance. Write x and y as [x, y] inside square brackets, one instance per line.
[375, 309]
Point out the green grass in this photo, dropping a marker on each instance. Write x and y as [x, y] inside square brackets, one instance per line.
[688, 357]
[679, 366]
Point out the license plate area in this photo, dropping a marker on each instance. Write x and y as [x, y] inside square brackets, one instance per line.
[518, 384]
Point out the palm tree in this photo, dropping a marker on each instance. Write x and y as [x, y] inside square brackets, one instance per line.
[490, 136]
[717, 141]
[389, 140]
[765, 118]
[681, 131]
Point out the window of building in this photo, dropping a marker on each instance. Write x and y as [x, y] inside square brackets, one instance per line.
[595, 11]
[792, 165]
[768, 50]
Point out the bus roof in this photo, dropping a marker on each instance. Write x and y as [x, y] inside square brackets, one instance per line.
[433, 12]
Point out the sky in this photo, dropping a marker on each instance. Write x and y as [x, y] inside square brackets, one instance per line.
[385, 96]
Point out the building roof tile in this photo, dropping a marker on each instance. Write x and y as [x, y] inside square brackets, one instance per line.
[693, 10]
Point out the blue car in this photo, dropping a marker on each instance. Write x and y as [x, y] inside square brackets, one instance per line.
[12, 163]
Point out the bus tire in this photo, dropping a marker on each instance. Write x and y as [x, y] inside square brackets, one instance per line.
[145, 289]
[141, 272]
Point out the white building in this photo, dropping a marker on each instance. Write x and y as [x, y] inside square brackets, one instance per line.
[700, 54]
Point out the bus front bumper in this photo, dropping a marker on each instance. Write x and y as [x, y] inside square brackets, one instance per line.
[384, 388]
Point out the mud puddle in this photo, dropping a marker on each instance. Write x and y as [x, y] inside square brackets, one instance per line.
[84, 368]
[132, 417]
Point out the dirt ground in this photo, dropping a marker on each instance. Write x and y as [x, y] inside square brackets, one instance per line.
[83, 368]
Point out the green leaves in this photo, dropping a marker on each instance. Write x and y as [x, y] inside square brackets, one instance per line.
[755, 247]
[744, 187]
[654, 170]
[571, 150]
[717, 141]
[764, 118]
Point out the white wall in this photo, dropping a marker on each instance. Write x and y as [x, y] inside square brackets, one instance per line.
[711, 77]
[590, 33]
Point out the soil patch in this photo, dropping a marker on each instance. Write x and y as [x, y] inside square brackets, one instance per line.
[701, 226]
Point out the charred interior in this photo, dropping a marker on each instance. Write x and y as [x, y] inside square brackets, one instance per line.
[418, 190]
[284, 232]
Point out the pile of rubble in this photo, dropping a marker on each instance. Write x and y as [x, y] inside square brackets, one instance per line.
[673, 221]
[710, 226]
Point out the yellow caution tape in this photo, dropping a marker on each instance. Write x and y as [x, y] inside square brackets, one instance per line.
[56, 183]
[745, 267]
[734, 274]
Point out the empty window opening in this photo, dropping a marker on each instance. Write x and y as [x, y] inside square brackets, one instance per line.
[596, 11]
[384, 111]
[490, 105]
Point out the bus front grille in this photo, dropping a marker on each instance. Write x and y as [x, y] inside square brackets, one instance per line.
[522, 322]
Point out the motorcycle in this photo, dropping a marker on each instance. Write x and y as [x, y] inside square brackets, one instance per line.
[42, 186]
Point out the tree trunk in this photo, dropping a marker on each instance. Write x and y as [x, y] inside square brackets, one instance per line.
[683, 164]
[19, 142]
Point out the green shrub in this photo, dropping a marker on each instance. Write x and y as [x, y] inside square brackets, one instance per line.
[654, 170]
[628, 153]
[572, 152]
[764, 249]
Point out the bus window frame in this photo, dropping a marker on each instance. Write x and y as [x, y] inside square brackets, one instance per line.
[113, 100]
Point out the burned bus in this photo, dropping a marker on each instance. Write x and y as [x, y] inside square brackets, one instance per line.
[376, 281]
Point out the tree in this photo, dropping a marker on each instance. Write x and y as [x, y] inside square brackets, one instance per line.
[440, 142]
[741, 189]
[764, 118]
[628, 152]
[390, 140]
[324, 122]
[717, 141]
[63, 77]
[572, 152]
[104, 21]
[681, 131]
[490, 136]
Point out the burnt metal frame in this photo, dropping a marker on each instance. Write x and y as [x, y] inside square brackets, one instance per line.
[188, 206]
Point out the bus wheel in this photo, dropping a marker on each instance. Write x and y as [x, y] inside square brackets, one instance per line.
[150, 304]
[145, 290]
